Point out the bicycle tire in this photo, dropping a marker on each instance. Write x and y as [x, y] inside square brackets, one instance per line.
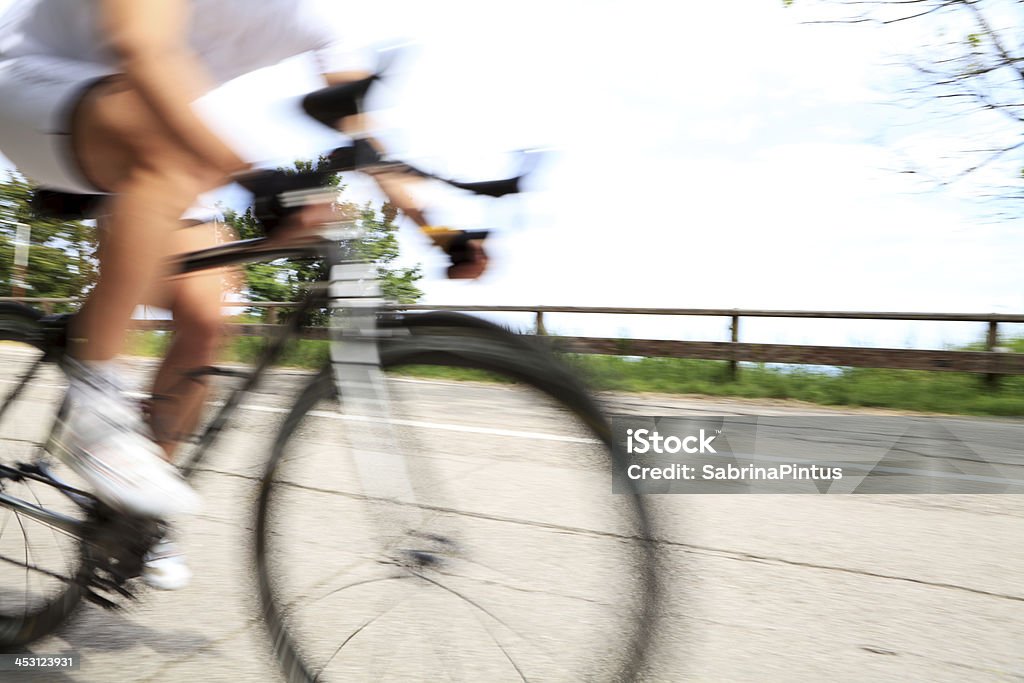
[19, 627]
[481, 346]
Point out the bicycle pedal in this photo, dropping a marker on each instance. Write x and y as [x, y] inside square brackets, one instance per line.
[116, 585]
[97, 599]
[109, 593]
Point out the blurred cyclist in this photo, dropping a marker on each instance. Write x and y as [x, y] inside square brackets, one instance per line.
[98, 97]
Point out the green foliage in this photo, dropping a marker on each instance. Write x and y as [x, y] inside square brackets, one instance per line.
[61, 256]
[299, 353]
[380, 245]
[287, 280]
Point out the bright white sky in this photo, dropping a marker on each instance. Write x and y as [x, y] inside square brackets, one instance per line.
[707, 154]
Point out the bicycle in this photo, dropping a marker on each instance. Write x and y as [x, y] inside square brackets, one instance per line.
[425, 535]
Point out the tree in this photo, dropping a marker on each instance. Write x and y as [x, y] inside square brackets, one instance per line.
[970, 76]
[286, 280]
[62, 255]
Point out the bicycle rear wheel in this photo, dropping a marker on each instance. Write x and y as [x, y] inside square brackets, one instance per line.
[516, 561]
[41, 566]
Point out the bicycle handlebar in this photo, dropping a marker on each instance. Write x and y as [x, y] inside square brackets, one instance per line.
[360, 156]
[275, 193]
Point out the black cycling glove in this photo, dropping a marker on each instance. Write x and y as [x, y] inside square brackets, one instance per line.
[270, 206]
[457, 247]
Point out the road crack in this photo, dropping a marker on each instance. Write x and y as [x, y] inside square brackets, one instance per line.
[769, 559]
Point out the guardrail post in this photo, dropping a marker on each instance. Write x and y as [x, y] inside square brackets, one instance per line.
[734, 336]
[271, 317]
[540, 323]
[47, 307]
[991, 342]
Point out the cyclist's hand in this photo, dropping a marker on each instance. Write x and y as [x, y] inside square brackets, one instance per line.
[467, 254]
[271, 203]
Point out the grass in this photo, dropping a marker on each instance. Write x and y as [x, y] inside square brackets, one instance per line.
[301, 353]
[939, 392]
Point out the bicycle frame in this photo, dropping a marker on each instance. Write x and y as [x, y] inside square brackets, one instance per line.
[224, 255]
[344, 353]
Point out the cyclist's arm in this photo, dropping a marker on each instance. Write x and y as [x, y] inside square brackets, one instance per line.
[392, 185]
[473, 259]
[150, 40]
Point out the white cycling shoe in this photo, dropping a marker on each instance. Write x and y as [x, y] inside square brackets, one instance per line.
[164, 566]
[106, 446]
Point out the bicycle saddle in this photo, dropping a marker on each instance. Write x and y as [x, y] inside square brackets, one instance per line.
[65, 206]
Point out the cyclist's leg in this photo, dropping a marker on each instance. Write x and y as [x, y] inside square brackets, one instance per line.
[123, 148]
[195, 302]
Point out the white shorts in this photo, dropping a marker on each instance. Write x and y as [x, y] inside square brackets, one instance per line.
[38, 96]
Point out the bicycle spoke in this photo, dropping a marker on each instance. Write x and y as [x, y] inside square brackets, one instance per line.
[28, 553]
[352, 585]
[53, 530]
[22, 383]
[4, 527]
[350, 637]
[501, 647]
[46, 572]
[473, 603]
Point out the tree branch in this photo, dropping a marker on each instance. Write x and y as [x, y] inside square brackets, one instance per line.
[984, 163]
[994, 37]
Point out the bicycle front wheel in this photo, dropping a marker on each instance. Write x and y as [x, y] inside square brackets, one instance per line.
[507, 557]
[41, 562]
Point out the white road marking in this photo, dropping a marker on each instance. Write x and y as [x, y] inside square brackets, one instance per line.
[442, 426]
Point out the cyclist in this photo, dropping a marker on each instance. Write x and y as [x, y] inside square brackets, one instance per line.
[100, 97]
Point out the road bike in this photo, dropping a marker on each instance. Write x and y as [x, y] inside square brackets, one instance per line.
[404, 529]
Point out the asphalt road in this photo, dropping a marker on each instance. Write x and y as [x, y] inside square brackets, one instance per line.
[756, 587]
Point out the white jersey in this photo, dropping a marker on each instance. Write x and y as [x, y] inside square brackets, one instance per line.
[230, 37]
[52, 51]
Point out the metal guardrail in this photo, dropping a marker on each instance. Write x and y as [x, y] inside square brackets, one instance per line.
[991, 362]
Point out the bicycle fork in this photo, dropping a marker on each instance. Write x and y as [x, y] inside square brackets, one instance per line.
[382, 466]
